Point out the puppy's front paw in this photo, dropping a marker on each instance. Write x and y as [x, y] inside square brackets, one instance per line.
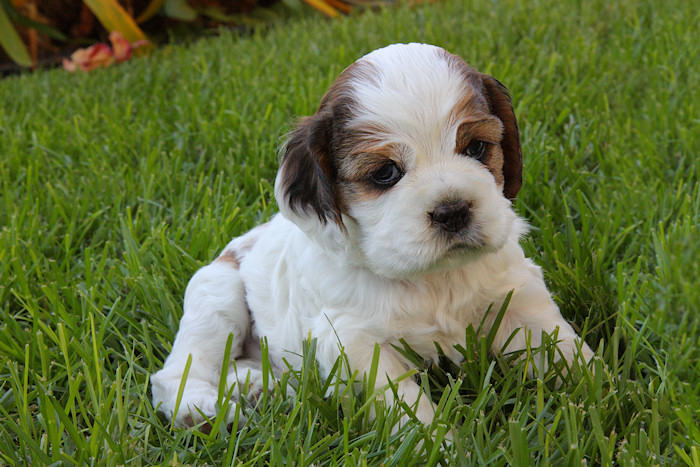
[248, 383]
[198, 402]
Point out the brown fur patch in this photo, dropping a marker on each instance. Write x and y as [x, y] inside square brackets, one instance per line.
[205, 427]
[490, 131]
[355, 170]
[229, 257]
[495, 100]
[309, 163]
[368, 157]
[471, 107]
[249, 240]
[501, 106]
[244, 244]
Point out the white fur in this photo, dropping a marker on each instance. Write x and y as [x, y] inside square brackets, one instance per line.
[385, 276]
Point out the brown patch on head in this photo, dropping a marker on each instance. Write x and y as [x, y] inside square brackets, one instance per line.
[355, 170]
[490, 131]
[366, 158]
[229, 257]
[500, 105]
[504, 155]
[309, 164]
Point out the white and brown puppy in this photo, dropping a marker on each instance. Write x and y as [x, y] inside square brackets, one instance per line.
[395, 222]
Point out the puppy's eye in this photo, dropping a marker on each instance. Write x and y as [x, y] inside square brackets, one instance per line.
[475, 149]
[386, 177]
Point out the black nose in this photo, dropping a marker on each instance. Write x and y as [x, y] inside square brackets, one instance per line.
[451, 217]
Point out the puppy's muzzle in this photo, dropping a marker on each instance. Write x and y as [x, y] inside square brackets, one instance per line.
[451, 217]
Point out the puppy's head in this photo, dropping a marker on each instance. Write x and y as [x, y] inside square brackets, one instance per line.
[413, 159]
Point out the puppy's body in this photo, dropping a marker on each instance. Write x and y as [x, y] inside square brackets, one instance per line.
[395, 223]
[306, 292]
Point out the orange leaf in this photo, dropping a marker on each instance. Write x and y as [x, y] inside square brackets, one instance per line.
[339, 5]
[323, 7]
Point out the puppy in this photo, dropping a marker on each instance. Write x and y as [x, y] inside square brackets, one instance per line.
[395, 222]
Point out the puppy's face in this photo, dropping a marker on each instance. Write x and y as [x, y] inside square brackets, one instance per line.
[413, 155]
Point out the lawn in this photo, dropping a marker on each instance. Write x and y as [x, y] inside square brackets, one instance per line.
[115, 186]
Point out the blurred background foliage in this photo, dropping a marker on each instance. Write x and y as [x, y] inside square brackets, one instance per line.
[41, 32]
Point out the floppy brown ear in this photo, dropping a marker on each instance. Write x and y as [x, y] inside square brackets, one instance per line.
[306, 169]
[501, 106]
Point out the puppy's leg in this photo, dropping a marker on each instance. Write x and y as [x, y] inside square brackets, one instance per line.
[531, 312]
[391, 366]
[214, 307]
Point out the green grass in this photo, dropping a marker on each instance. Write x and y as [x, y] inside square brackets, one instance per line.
[116, 186]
